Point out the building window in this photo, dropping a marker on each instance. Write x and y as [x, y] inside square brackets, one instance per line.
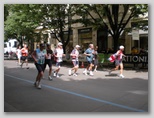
[85, 37]
[102, 36]
[15, 44]
[144, 42]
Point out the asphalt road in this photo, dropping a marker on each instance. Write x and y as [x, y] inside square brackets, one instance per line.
[100, 93]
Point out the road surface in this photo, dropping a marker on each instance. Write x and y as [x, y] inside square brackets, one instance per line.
[98, 93]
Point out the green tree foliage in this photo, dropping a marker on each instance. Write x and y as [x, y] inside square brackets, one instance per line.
[58, 17]
[114, 17]
[23, 19]
[20, 22]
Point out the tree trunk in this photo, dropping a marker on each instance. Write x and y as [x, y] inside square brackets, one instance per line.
[116, 42]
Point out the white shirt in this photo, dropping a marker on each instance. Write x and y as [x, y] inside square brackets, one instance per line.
[75, 52]
[18, 52]
[59, 53]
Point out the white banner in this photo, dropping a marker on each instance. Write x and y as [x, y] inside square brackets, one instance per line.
[135, 34]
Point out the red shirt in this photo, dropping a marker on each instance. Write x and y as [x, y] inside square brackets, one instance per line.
[24, 52]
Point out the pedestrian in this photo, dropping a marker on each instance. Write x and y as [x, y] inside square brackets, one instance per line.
[18, 53]
[74, 54]
[89, 53]
[95, 59]
[58, 54]
[39, 59]
[48, 60]
[118, 61]
[24, 57]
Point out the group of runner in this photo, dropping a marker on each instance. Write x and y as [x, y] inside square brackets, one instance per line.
[43, 56]
[22, 55]
[91, 57]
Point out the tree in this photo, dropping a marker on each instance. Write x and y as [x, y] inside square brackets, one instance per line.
[24, 18]
[114, 17]
[21, 21]
[58, 17]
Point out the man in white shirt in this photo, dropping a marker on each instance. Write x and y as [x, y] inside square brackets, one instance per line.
[58, 53]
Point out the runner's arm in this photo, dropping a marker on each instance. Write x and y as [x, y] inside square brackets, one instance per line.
[34, 55]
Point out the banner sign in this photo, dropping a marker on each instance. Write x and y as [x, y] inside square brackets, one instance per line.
[103, 58]
[135, 59]
[135, 34]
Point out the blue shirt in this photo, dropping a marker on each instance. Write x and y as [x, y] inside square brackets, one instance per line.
[89, 51]
[40, 56]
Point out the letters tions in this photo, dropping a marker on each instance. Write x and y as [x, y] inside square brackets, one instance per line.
[135, 59]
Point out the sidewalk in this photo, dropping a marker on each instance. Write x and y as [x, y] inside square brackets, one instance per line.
[102, 72]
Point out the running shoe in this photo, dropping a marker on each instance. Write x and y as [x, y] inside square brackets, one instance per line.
[50, 78]
[39, 86]
[21, 65]
[54, 74]
[75, 74]
[69, 72]
[95, 70]
[121, 76]
[57, 75]
[91, 73]
[85, 72]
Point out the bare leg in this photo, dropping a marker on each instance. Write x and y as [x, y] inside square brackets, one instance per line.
[57, 70]
[95, 68]
[121, 68]
[75, 69]
[114, 69]
[50, 71]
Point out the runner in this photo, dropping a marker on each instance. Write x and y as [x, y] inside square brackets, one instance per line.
[18, 53]
[74, 54]
[95, 58]
[118, 61]
[39, 58]
[48, 60]
[89, 56]
[24, 58]
[58, 53]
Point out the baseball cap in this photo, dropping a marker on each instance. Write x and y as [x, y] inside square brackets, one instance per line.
[60, 43]
[121, 47]
[77, 46]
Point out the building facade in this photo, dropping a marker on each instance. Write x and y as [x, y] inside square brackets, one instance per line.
[83, 36]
